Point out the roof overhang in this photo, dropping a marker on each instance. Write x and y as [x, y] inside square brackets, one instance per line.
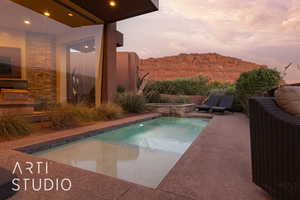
[90, 12]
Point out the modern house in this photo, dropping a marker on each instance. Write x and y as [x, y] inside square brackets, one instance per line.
[42, 42]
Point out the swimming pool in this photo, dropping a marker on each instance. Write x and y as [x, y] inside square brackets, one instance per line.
[142, 153]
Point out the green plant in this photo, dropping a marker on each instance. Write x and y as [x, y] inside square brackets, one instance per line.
[182, 100]
[13, 126]
[108, 112]
[62, 117]
[183, 86]
[121, 89]
[222, 91]
[220, 85]
[152, 96]
[131, 103]
[141, 80]
[83, 112]
[217, 91]
[256, 83]
[165, 100]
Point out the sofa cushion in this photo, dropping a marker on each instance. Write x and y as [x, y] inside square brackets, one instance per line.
[288, 98]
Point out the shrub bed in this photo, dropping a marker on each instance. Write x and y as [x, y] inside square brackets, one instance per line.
[131, 103]
[63, 117]
[13, 126]
[183, 86]
[108, 112]
[256, 83]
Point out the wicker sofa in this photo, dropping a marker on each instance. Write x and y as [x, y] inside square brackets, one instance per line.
[275, 148]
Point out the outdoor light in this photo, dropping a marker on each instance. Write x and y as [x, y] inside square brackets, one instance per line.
[86, 46]
[46, 13]
[27, 22]
[70, 14]
[112, 3]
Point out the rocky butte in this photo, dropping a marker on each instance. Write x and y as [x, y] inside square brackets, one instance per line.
[214, 66]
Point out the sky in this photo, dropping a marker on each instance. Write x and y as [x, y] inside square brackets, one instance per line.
[261, 31]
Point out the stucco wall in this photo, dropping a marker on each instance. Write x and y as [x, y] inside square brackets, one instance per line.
[127, 63]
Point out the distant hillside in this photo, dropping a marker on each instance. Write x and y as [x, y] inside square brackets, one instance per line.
[212, 65]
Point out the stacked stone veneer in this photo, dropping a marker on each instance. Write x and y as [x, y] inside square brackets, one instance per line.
[41, 66]
[171, 109]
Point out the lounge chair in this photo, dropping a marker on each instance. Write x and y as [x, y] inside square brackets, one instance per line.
[212, 101]
[225, 104]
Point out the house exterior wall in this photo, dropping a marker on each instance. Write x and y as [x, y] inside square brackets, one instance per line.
[127, 64]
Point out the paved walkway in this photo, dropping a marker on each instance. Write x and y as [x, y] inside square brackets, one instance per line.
[215, 167]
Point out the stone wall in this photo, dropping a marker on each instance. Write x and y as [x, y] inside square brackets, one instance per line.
[41, 66]
[171, 109]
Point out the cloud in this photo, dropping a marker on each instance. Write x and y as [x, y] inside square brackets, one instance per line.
[266, 31]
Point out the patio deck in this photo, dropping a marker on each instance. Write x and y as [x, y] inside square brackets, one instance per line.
[215, 167]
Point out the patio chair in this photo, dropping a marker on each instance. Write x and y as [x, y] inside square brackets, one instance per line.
[225, 104]
[212, 101]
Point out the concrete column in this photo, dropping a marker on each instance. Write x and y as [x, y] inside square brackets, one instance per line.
[109, 69]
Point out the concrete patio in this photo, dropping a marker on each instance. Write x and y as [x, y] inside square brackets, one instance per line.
[215, 167]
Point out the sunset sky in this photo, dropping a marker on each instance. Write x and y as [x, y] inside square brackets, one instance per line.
[261, 31]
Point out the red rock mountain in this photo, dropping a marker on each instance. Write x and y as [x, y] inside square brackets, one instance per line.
[212, 65]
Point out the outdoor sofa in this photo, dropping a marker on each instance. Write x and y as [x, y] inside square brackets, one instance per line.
[275, 149]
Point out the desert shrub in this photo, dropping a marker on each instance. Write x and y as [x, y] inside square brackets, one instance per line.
[13, 126]
[131, 103]
[165, 100]
[255, 83]
[217, 91]
[223, 91]
[108, 112]
[121, 89]
[83, 112]
[219, 88]
[183, 86]
[220, 85]
[62, 117]
[182, 100]
[155, 97]
[230, 91]
[152, 96]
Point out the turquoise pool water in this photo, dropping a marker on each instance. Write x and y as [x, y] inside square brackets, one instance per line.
[166, 133]
[142, 153]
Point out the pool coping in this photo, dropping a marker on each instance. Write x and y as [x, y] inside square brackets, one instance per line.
[36, 143]
[72, 138]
